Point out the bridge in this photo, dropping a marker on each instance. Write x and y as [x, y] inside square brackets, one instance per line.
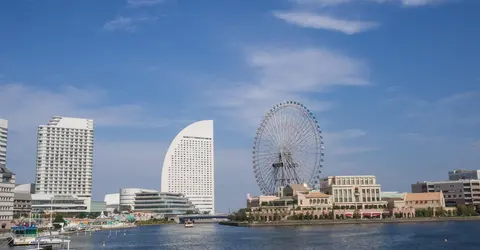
[201, 218]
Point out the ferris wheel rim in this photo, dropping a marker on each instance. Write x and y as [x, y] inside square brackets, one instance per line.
[311, 121]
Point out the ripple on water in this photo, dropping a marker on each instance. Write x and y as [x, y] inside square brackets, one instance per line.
[460, 235]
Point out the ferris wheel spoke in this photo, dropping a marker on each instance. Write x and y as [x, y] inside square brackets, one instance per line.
[287, 147]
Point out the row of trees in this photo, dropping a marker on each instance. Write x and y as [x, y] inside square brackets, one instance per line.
[241, 215]
[89, 215]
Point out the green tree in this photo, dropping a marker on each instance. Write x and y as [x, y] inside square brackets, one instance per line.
[82, 215]
[58, 219]
[240, 215]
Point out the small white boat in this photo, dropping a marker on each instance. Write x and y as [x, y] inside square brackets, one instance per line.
[188, 223]
[48, 242]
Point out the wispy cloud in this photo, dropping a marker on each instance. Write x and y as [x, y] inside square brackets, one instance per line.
[406, 3]
[342, 143]
[120, 23]
[128, 24]
[288, 74]
[451, 111]
[38, 106]
[144, 3]
[317, 21]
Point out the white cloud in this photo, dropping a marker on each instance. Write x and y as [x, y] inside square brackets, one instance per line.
[127, 24]
[144, 3]
[317, 21]
[120, 23]
[287, 74]
[27, 107]
[343, 143]
[454, 110]
[413, 3]
[406, 3]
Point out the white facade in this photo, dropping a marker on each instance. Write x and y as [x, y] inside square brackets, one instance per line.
[188, 167]
[112, 201]
[65, 158]
[348, 189]
[59, 203]
[7, 186]
[127, 197]
[3, 141]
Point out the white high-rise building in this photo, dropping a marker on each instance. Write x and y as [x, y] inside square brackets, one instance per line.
[3, 141]
[65, 158]
[188, 167]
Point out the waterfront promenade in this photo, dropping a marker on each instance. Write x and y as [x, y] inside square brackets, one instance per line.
[287, 223]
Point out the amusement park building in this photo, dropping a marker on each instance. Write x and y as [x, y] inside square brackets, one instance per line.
[188, 167]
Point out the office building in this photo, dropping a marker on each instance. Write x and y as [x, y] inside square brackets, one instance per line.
[3, 141]
[462, 174]
[7, 184]
[188, 166]
[139, 200]
[460, 192]
[65, 158]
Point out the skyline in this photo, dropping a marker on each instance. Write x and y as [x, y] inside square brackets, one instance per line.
[394, 86]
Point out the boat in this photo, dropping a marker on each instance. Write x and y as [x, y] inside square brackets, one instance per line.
[188, 223]
[22, 235]
[51, 242]
[29, 236]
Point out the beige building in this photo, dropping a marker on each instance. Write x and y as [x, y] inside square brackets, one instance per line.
[425, 200]
[294, 189]
[291, 200]
[407, 204]
[316, 202]
[355, 194]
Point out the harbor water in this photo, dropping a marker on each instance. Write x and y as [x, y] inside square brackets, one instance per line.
[441, 235]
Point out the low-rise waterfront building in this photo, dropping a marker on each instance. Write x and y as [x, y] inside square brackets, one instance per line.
[7, 185]
[97, 206]
[433, 200]
[459, 192]
[292, 200]
[407, 204]
[151, 201]
[318, 202]
[22, 205]
[112, 202]
[46, 203]
[355, 195]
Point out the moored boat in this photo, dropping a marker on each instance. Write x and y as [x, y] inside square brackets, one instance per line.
[188, 223]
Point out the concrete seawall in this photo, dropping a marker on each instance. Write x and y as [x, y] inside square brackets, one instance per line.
[344, 222]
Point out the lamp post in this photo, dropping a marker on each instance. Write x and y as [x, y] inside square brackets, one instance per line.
[51, 212]
[357, 195]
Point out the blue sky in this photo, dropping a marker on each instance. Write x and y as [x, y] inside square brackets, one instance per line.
[395, 84]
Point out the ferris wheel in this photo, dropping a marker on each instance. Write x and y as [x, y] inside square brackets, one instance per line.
[288, 148]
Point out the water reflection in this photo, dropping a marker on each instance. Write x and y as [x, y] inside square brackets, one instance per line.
[460, 235]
